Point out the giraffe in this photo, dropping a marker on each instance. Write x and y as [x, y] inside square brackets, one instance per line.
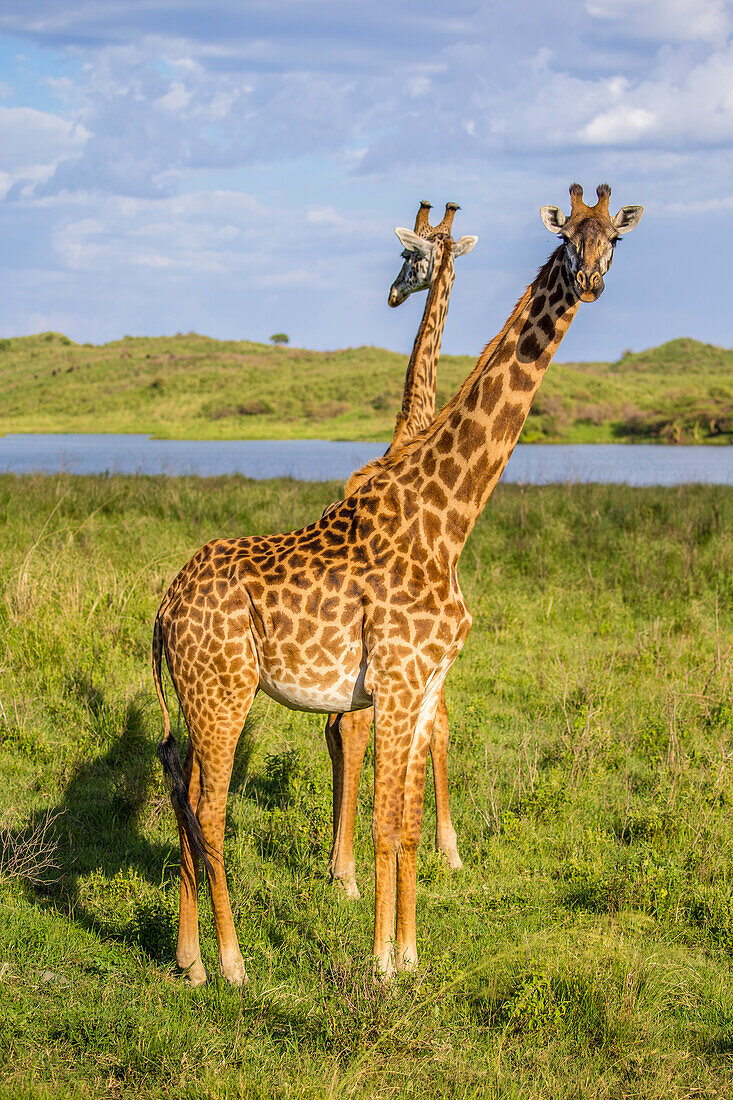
[429, 252]
[362, 608]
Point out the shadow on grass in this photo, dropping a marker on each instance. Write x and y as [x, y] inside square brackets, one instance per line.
[95, 828]
[106, 874]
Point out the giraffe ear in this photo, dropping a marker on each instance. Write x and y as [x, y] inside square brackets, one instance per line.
[463, 246]
[413, 242]
[627, 218]
[553, 218]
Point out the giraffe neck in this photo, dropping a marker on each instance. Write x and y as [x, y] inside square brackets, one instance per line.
[418, 398]
[454, 467]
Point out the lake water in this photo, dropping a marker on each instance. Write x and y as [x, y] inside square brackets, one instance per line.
[321, 460]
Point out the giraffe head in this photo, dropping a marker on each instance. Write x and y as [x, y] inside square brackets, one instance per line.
[590, 235]
[421, 247]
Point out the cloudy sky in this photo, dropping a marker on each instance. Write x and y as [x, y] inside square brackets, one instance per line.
[236, 167]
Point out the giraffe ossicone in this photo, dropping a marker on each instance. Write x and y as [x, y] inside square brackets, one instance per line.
[361, 608]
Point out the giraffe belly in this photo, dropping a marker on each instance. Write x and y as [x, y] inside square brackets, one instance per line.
[345, 694]
[325, 672]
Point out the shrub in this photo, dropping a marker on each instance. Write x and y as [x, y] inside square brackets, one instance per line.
[328, 410]
[254, 407]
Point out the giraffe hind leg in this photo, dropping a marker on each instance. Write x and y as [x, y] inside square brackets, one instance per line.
[184, 788]
[215, 737]
[347, 736]
[188, 952]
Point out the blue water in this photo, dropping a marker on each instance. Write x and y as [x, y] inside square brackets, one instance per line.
[321, 460]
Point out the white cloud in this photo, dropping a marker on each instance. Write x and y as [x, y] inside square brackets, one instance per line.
[690, 207]
[176, 98]
[678, 106]
[620, 125]
[165, 107]
[216, 232]
[666, 20]
[33, 143]
[326, 215]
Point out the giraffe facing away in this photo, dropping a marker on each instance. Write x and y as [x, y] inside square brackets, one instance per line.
[362, 608]
[429, 255]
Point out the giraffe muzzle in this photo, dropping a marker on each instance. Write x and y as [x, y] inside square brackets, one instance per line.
[588, 285]
[395, 297]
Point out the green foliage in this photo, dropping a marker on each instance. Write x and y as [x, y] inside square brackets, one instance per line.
[586, 949]
[279, 338]
[681, 392]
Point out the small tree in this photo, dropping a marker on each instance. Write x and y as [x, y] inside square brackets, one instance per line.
[279, 338]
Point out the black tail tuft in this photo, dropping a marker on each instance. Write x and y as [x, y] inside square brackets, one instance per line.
[171, 761]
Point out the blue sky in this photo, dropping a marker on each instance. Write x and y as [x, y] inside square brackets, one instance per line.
[237, 167]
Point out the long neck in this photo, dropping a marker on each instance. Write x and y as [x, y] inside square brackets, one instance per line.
[454, 468]
[418, 398]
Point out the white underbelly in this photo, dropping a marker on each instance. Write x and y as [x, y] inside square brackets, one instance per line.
[345, 696]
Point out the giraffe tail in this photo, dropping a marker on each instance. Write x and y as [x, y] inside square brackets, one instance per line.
[168, 755]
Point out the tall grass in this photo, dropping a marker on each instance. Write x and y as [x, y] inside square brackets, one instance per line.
[584, 951]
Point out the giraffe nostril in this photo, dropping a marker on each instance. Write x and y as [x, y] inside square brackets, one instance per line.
[581, 279]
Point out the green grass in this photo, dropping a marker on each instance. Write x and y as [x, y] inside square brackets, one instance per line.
[586, 949]
[193, 387]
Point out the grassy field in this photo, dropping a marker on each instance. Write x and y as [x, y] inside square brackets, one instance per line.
[192, 387]
[585, 951]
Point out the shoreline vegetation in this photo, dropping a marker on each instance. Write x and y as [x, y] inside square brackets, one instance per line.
[585, 949]
[195, 387]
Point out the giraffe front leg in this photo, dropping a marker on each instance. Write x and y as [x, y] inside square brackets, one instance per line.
[403, 717]
[446, 840]
[414, 788]
[350, 734]
[393, 725]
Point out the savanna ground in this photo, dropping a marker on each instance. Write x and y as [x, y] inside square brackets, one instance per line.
[193, 387]
[586, 949]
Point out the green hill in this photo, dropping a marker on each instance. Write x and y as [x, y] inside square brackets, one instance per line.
[194, 387]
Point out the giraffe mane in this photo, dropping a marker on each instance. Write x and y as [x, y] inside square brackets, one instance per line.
[445, 259]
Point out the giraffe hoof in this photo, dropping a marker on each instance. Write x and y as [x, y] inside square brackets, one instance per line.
[195, 974]
[447, 844]
[234, 972]
[453, 860]
[347, 886]
[384, 968]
